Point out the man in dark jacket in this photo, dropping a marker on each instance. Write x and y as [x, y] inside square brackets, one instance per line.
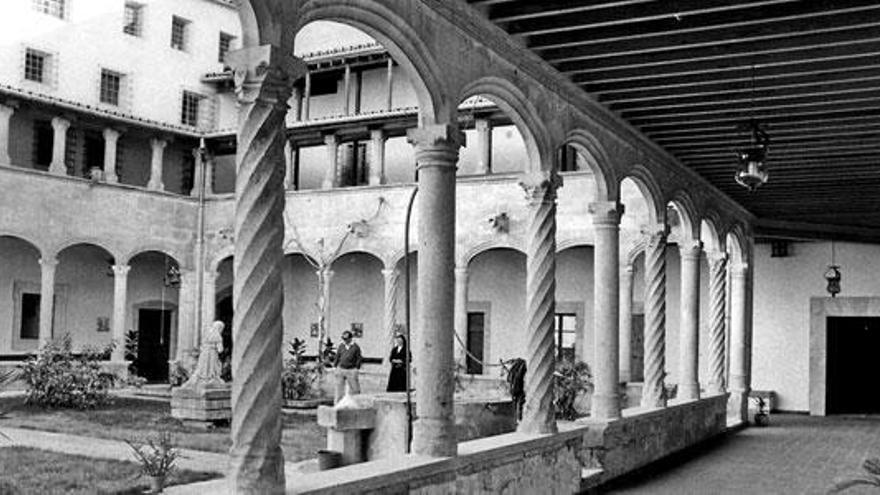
[348, 363]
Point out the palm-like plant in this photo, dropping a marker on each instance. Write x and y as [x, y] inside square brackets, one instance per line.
[871, 478]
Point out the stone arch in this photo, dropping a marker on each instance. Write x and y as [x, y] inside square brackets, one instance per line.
[378, 257]
[401, 40]
[634, 251]
[687, 212]
[475, 251]
[607, 185]
[513, 102]
[650, 189]
[737, 244]
[171, 253]
[24, 238]
[58, 248]
[710, 233]
[573, 243]
[219, 256]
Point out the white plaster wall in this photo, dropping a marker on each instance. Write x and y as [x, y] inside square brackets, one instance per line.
[783, 288]
[89, 294]
[91, 38]
[498, 277]
[18, 263]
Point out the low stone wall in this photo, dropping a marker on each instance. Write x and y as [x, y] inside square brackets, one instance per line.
[374, 379]
[644, 436]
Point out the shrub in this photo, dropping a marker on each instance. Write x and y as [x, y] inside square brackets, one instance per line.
[570, 380]
[297, 377]
[157, 456]
[56, 377]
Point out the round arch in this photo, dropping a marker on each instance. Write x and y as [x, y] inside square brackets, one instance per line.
[396, 257]
[59, 248]
[176, 257]
[737, 245]
[25, 239]
[687, 212]
[475, 251]
[710, 234]
[573, 243]
[644, 181]
[404, 44]
[355, 252]
[607, 185]
[513, 102]
[220, 256]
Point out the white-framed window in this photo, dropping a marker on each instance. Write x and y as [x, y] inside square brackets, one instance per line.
[133, 22]
[189, 109]
[179, 32]
[37, 65]
[224, 45]
[111, 87]
[56, 8]
[566, 335]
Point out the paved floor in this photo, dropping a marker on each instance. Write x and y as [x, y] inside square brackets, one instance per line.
[797, 454]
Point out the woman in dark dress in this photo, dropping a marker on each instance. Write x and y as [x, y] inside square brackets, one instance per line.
[397, 377]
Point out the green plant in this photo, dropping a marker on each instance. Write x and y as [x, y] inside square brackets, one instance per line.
[157, 456]
[872, 478]
[56, 377]
[298, 378]
[570, 380]
[328, 353]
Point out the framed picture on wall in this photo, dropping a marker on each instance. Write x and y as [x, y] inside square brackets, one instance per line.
[103, 323]
[313, 330]
[357, 329]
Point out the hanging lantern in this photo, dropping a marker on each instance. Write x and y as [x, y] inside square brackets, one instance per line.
[832, 276]
[751, 171]
[172, 277]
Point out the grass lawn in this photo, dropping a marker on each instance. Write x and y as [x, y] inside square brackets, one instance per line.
[26, 470]
[129, 418]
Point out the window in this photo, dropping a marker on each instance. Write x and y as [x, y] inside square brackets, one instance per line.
[225, 45]
[324, 83]
[51, 7]
[42, 144]
[568, 159]
[111, 86]
[189, 111]
[30, 317]
[35, 65]
[566, 334]
[178, 33]
[133, 22]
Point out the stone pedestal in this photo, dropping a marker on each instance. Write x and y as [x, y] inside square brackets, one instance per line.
[347, 423]
[200, 404]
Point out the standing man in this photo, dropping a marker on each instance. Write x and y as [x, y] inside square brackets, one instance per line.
[348, 362]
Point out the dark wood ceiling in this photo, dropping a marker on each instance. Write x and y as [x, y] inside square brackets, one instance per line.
[689, 73]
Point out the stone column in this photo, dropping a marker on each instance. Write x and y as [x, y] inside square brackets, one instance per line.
[389, 83]
[391, 277]
[539, 414]
[325, 277]
[297, 100]
[198, 173]
[187, 333]
[626, 293]
[331, 171]
[120, 305]
[209, 174]
[606, 225]
[436, 149]
[59, 145]
[290, 159]
[689, 327]
[461, 311]
[264, 79]
[111, 137]
[484, 143]
[653, 391]
[6, 112]
[209, 298]
[739, 387]
[346, 90]
[307, 98]
[158, 150]
[377, 157]
[47, 297]
[717, 301]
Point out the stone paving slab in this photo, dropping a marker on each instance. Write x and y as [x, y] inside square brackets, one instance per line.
[796, 454]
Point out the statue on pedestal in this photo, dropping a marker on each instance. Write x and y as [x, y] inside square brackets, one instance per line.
[208, 369]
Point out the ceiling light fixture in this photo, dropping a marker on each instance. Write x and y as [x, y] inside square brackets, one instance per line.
[751, 170]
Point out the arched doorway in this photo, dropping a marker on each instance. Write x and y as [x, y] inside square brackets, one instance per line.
[153, 289]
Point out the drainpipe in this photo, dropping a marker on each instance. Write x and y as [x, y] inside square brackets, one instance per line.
[200, 244]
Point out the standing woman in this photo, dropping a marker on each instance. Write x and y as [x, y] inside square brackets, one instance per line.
[397, 377]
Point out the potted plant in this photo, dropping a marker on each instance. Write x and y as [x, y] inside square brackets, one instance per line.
[157, 458]
[762, 418]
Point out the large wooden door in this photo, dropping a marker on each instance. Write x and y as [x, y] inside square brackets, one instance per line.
[852, 365]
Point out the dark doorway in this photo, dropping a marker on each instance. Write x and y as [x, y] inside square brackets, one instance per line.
[637, 347]
[223, 312]
[851, 363]
[154, 344]
[475, 334]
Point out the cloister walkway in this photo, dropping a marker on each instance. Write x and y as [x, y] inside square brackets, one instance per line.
[796, 454]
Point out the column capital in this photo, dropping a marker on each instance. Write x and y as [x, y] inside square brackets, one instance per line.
[48, 262]
[111, 134]
[331, 139]
[158, 143]
[482, 125]
[540, 186]
[690, 249]
[389, 272]
[716, 256]
[326, 273]
[265, 73]
[606, 212]
[121, 270]
[739, 269]
[60, 124]
[460, 271]
[377, 134]
[7, 108]
[436, 145]
[627, 268]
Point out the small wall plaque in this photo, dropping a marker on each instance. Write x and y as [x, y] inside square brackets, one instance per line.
[357, 329]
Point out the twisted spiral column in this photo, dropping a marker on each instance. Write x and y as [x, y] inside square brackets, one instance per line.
[436, 149]
[653, 392]
[606, 226]
[264, 76]
[689, 333]
[391, 277]
[539, 414]
[717, 302]
[626, 293]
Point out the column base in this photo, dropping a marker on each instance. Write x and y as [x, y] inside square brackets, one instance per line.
[434, 437]
[605, 406]
[688, 391]
[156, 186]
[738, 406]
[58, 169]
[257, 474]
